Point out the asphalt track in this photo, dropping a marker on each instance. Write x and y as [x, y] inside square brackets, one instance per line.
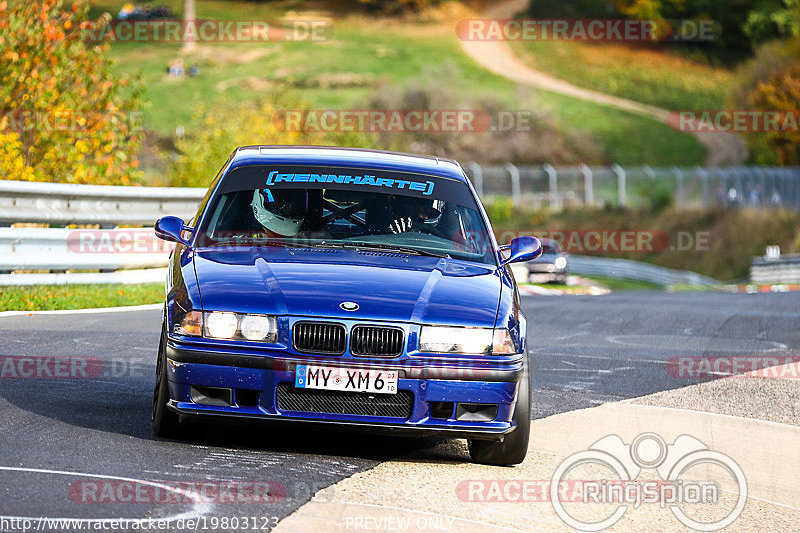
[58, 434]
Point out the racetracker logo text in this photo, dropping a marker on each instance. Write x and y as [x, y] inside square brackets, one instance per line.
[425, 187]
[115, 491]
[225, 31]
[592, 30]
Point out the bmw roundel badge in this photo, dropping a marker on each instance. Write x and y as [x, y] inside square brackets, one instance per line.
[349, 306]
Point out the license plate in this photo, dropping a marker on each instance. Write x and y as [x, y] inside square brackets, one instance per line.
[345, 379]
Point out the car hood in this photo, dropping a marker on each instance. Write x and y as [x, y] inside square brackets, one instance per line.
[314, 282]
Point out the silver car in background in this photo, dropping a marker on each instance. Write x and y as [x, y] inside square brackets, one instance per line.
[551, 267]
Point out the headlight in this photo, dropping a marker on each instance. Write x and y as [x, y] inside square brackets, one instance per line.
[256, 327]
[467, 341]
[561, 263]
[220, 325]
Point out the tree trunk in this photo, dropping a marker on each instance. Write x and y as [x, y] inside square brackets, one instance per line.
[189, 43]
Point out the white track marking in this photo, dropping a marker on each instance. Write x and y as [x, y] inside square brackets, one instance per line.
[130, 308]
[704, 343]
[198, 508]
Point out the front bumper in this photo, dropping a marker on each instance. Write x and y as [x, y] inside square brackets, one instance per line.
[259, 375]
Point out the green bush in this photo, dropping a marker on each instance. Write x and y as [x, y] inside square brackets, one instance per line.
[528, 137]
[397, 6]
[755, 85]
[657, 194]
[203, 151]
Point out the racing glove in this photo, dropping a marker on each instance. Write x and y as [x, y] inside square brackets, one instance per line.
[401, 225]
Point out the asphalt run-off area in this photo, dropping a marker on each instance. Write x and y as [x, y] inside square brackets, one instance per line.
[75, 423]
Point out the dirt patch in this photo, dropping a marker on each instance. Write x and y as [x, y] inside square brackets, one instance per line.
[233, 55]
[251, 82]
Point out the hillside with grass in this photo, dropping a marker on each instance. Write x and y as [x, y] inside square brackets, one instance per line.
[371, 62]
[648, 74]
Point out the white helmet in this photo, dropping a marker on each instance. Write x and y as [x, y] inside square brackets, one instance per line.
[280, 211]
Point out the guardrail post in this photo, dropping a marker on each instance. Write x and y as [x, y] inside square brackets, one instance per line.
[477, 177]
[622, 197]
[516, 192]
[588, 185]
[552, 178]
[704, 184]
[679, 181]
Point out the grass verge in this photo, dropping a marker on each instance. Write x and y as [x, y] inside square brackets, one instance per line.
[644, 74]
[52, 297]
[716, 243]
[616, 284]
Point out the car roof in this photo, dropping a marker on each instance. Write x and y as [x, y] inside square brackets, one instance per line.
[346, 157]
[551, 243]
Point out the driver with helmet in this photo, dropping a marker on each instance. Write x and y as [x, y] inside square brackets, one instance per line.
[412, 214]
[280, 212]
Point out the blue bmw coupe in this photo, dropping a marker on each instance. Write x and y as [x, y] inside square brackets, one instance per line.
[348, 287]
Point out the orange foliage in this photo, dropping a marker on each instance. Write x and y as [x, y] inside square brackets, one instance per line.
[781, 93]
[63, 115]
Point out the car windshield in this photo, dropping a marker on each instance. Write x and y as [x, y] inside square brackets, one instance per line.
[550, 248]
[350, 208]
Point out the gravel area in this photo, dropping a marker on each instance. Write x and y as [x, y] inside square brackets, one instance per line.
[769, 399]
[429, 488]
[430, 484]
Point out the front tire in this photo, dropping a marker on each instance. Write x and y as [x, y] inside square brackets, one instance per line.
[165, 422]
[513, 449]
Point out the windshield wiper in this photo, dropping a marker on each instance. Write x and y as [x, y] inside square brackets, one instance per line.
[268, 241]
[386, 247]
[264, 241]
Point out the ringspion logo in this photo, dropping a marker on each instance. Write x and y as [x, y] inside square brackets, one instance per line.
[677, 464]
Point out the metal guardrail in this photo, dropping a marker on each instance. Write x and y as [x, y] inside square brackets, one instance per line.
[125, 277]
[63, 249]
[106, 205]
[781, 270]
[118, 254]
[625, 269]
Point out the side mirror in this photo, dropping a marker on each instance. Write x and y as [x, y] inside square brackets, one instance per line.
[523, 249]
[171, 229]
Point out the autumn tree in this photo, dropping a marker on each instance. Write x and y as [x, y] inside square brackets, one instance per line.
[782, 94]
[63, 115]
